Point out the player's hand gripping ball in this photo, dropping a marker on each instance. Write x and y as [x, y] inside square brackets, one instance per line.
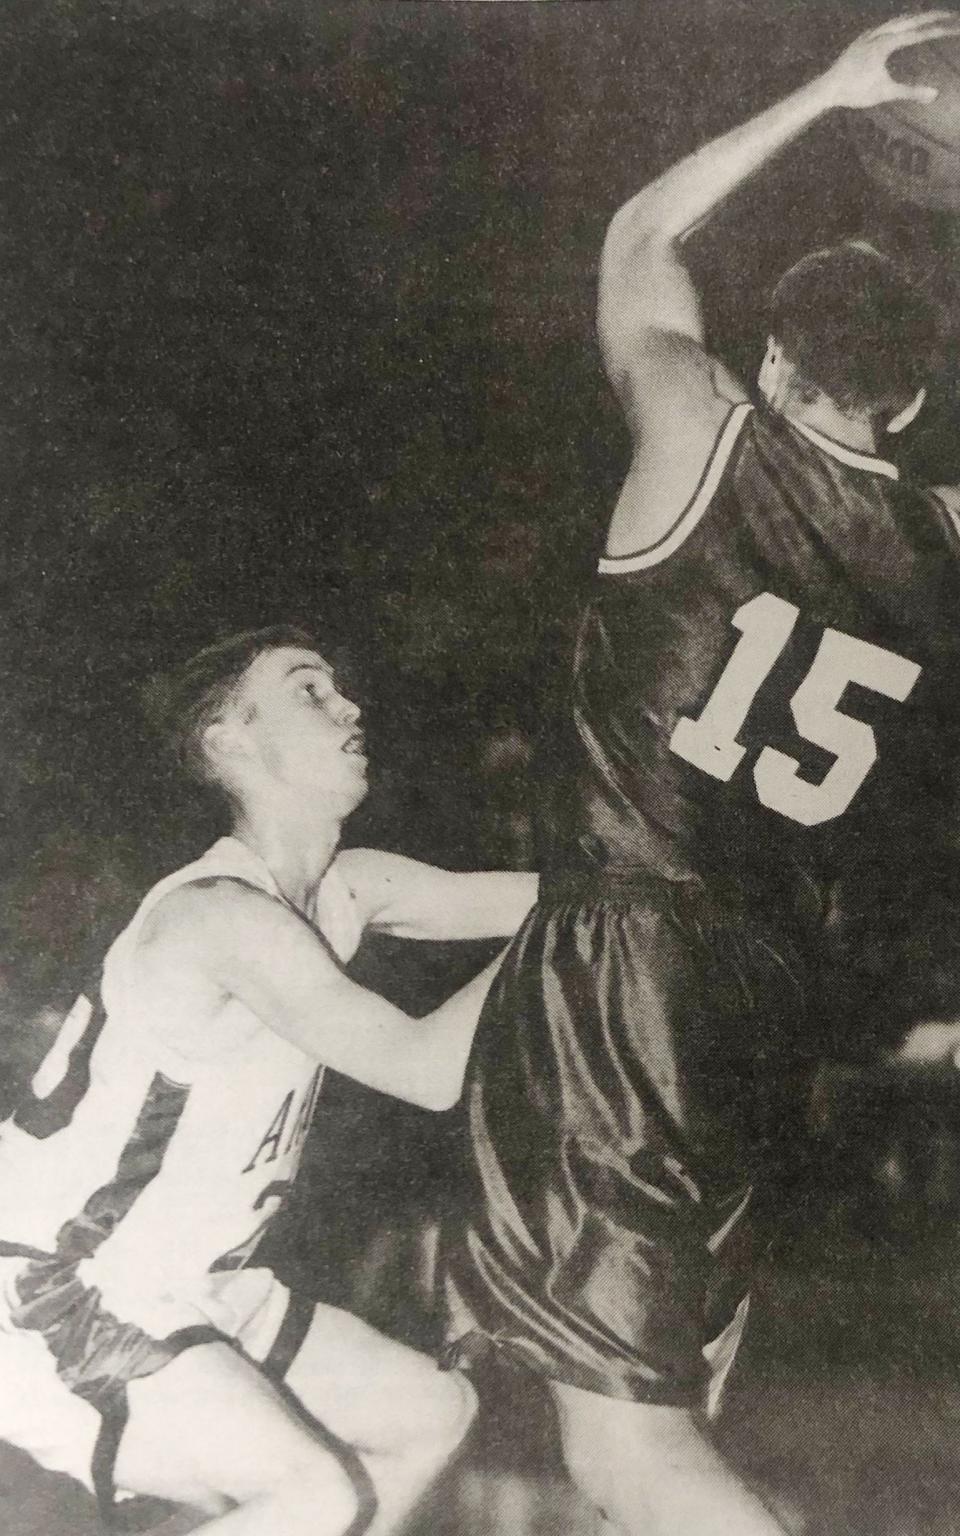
[909, 139]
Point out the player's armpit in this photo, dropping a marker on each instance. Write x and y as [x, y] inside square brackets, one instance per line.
[644, 291]
[642, 288]
[677, 402]
[671, 387]
[411, 900]
[242, 943]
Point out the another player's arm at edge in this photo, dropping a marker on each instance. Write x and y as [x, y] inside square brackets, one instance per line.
[410, 900]
[225, 940]
[950, 496]
[649, 316]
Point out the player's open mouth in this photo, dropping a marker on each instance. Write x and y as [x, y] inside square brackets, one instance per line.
[354, 745]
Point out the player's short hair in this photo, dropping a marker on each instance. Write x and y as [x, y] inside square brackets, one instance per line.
[855, 328]
[182, 703]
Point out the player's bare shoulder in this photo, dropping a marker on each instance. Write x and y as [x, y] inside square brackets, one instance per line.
[361, 868]
[192, 938]
[192, 915]
[176, 951]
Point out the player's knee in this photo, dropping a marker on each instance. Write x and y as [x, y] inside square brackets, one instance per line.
[463, 1405]
[621, 1493]
[591, 1474]
[613, 1457]
[307, 1491]
[316, 1493]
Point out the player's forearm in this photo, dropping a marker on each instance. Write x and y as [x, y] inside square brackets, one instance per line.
[689, 192]
[516, 892]
[643, 281]
[420, 1060]
[487, 905]
[412, 900]
[447, 1035]
[644, 286]
[361, 1035]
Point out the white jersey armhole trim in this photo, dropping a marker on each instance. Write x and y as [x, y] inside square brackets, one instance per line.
[670, 542]
[227, 858]
[867, 461]
[951, 513]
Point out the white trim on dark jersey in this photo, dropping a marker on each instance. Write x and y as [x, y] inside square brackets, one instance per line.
[867, 461]
[669, 542]
[954, 517]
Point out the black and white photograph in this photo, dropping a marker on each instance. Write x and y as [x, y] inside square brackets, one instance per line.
[480, 743]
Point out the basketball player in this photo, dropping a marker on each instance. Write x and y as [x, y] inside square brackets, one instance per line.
[760, 700]
[138, 1347]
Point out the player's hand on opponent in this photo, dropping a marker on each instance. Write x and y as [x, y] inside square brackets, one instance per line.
[861, 78]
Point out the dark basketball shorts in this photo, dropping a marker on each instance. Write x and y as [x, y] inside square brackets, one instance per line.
[66, 1360]
[627, 1064]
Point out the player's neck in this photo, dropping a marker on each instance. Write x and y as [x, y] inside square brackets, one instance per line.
[856, 432]
[297, 844]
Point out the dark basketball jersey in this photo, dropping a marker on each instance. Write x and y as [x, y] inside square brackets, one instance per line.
[769, 689]
[762, 728]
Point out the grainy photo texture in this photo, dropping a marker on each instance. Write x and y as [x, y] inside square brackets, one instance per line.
[480, 923]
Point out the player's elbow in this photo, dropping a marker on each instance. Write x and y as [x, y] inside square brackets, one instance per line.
[442, 1097]
[639, 231]
[427, 1075]
[440, 1086]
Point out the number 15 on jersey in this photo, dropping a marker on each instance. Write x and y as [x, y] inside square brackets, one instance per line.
[710, 742]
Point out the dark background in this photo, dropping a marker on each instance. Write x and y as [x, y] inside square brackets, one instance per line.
[296, 306]
[297, 324]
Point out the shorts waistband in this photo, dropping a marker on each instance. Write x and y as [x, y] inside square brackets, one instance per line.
[560, 887]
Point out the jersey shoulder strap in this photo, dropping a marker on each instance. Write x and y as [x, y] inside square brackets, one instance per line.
[227, 859]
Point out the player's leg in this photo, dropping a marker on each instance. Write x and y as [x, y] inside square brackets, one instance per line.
[208, 1429]
[403, 1416]
[651, 1470]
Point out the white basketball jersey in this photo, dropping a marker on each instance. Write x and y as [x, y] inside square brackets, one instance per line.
[156, 1156]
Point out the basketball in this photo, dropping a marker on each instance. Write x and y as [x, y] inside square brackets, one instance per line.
[910, 148]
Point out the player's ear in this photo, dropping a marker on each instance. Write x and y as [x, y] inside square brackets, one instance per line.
[769, 374]
[909, 413]
[223, 741]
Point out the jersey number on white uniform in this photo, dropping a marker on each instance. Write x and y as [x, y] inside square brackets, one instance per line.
[710, 742]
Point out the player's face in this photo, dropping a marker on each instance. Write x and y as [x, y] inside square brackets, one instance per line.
[301, 729]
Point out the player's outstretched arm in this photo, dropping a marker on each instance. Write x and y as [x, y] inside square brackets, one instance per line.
[643, 284]
[411, 900]
[206, 944]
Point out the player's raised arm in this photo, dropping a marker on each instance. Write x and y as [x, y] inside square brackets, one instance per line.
[644, 287]
[230, 940]
[411, 900]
